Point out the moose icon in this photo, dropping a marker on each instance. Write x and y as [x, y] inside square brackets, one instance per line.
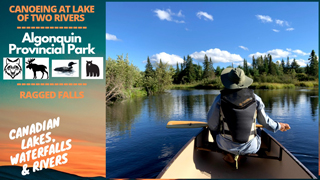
[92, 69]
[36, 67]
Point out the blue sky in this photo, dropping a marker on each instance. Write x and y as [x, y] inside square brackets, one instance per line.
[227, 32]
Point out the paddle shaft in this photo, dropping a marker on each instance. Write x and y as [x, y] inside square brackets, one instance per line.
[192, 124]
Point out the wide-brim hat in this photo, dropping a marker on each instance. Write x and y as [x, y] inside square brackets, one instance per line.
[235, 78]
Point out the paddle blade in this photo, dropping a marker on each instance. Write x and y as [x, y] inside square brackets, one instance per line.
[186, 124]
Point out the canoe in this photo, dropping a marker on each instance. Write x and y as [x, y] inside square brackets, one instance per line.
[200, 159]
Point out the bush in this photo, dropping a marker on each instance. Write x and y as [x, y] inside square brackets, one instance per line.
[302, 77]
[271, 86]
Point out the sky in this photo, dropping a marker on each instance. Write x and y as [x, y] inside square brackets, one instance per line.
[228, 32]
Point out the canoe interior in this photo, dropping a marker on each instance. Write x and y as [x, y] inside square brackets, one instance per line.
[192, 163]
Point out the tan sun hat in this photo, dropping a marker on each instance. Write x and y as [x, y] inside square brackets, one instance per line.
[235, 78]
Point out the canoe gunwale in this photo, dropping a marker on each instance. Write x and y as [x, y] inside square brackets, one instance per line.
[292, 156]
[282, 149]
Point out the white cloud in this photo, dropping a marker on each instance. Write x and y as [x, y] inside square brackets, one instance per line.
[180, 14]
[111, 37]
[244, 48]
[280, 22]
[264, 18]
[236, 64]
[286, 22]
[275, 30]
[301, 62]
[289, 29]
[217, 55]
[276, 53]
[205, 15]
[298, 51]
[187, 29]
[171, 59]
[163, 15]
[288, 49]
[168, 15]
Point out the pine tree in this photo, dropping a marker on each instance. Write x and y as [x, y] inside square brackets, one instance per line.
[307, 69]
[211, 69]
[206, 66]
[272, 66]
[313, 68]
[149, 72]
[218, 71]
[288, 67]
[176, 74]
[245, 67]
[260, 65]
[190, 73]
[266, 64]
[254, 64]
[177, 69]
[295, 65]
[283, 66]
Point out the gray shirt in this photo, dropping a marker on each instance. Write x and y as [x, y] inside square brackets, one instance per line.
[249, 147]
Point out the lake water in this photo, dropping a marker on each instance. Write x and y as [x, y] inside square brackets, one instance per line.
[139, 145]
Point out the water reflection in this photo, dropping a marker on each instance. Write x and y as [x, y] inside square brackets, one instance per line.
[137, 137]
[121, 116]
[184, 103]
[298, 101]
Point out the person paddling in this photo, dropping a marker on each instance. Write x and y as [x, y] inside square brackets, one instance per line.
[233, 114]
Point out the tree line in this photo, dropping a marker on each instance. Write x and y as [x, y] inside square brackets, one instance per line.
[124, 80]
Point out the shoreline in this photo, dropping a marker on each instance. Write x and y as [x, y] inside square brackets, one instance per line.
[307, 84]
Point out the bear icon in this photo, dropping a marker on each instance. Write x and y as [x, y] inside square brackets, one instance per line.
[92, 69]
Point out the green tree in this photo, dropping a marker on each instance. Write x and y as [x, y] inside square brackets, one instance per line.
[149, 72]
[266, 64]
[283, 65]
[245, 67]
[272, 66]
[198, 71]
[176, 74]
[288, 66]
[260, 64]
[206, 67]
[163, 76]
[190, 73]
[121, 77]
[295, 65]
[218, 71]
[254, 64]
[313, 60]
[211, 69]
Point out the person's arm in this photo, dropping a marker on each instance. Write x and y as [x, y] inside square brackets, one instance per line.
[214, 115]
[266, 121]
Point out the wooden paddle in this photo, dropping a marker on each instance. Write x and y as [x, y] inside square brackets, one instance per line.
[186, 124]
[192, 124]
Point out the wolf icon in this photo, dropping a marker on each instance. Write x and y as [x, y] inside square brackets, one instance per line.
[92, 69]
[12, 67]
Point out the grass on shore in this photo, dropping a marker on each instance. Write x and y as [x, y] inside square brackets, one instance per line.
[255, 85]
[307, 84]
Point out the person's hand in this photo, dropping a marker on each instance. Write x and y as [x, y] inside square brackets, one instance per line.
[284, 127]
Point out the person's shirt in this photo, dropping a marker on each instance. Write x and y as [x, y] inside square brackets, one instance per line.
[252, 146]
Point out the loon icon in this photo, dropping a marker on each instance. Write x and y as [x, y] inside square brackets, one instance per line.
[65, 69]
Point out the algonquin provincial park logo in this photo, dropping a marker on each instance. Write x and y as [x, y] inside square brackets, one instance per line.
[12, 67]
